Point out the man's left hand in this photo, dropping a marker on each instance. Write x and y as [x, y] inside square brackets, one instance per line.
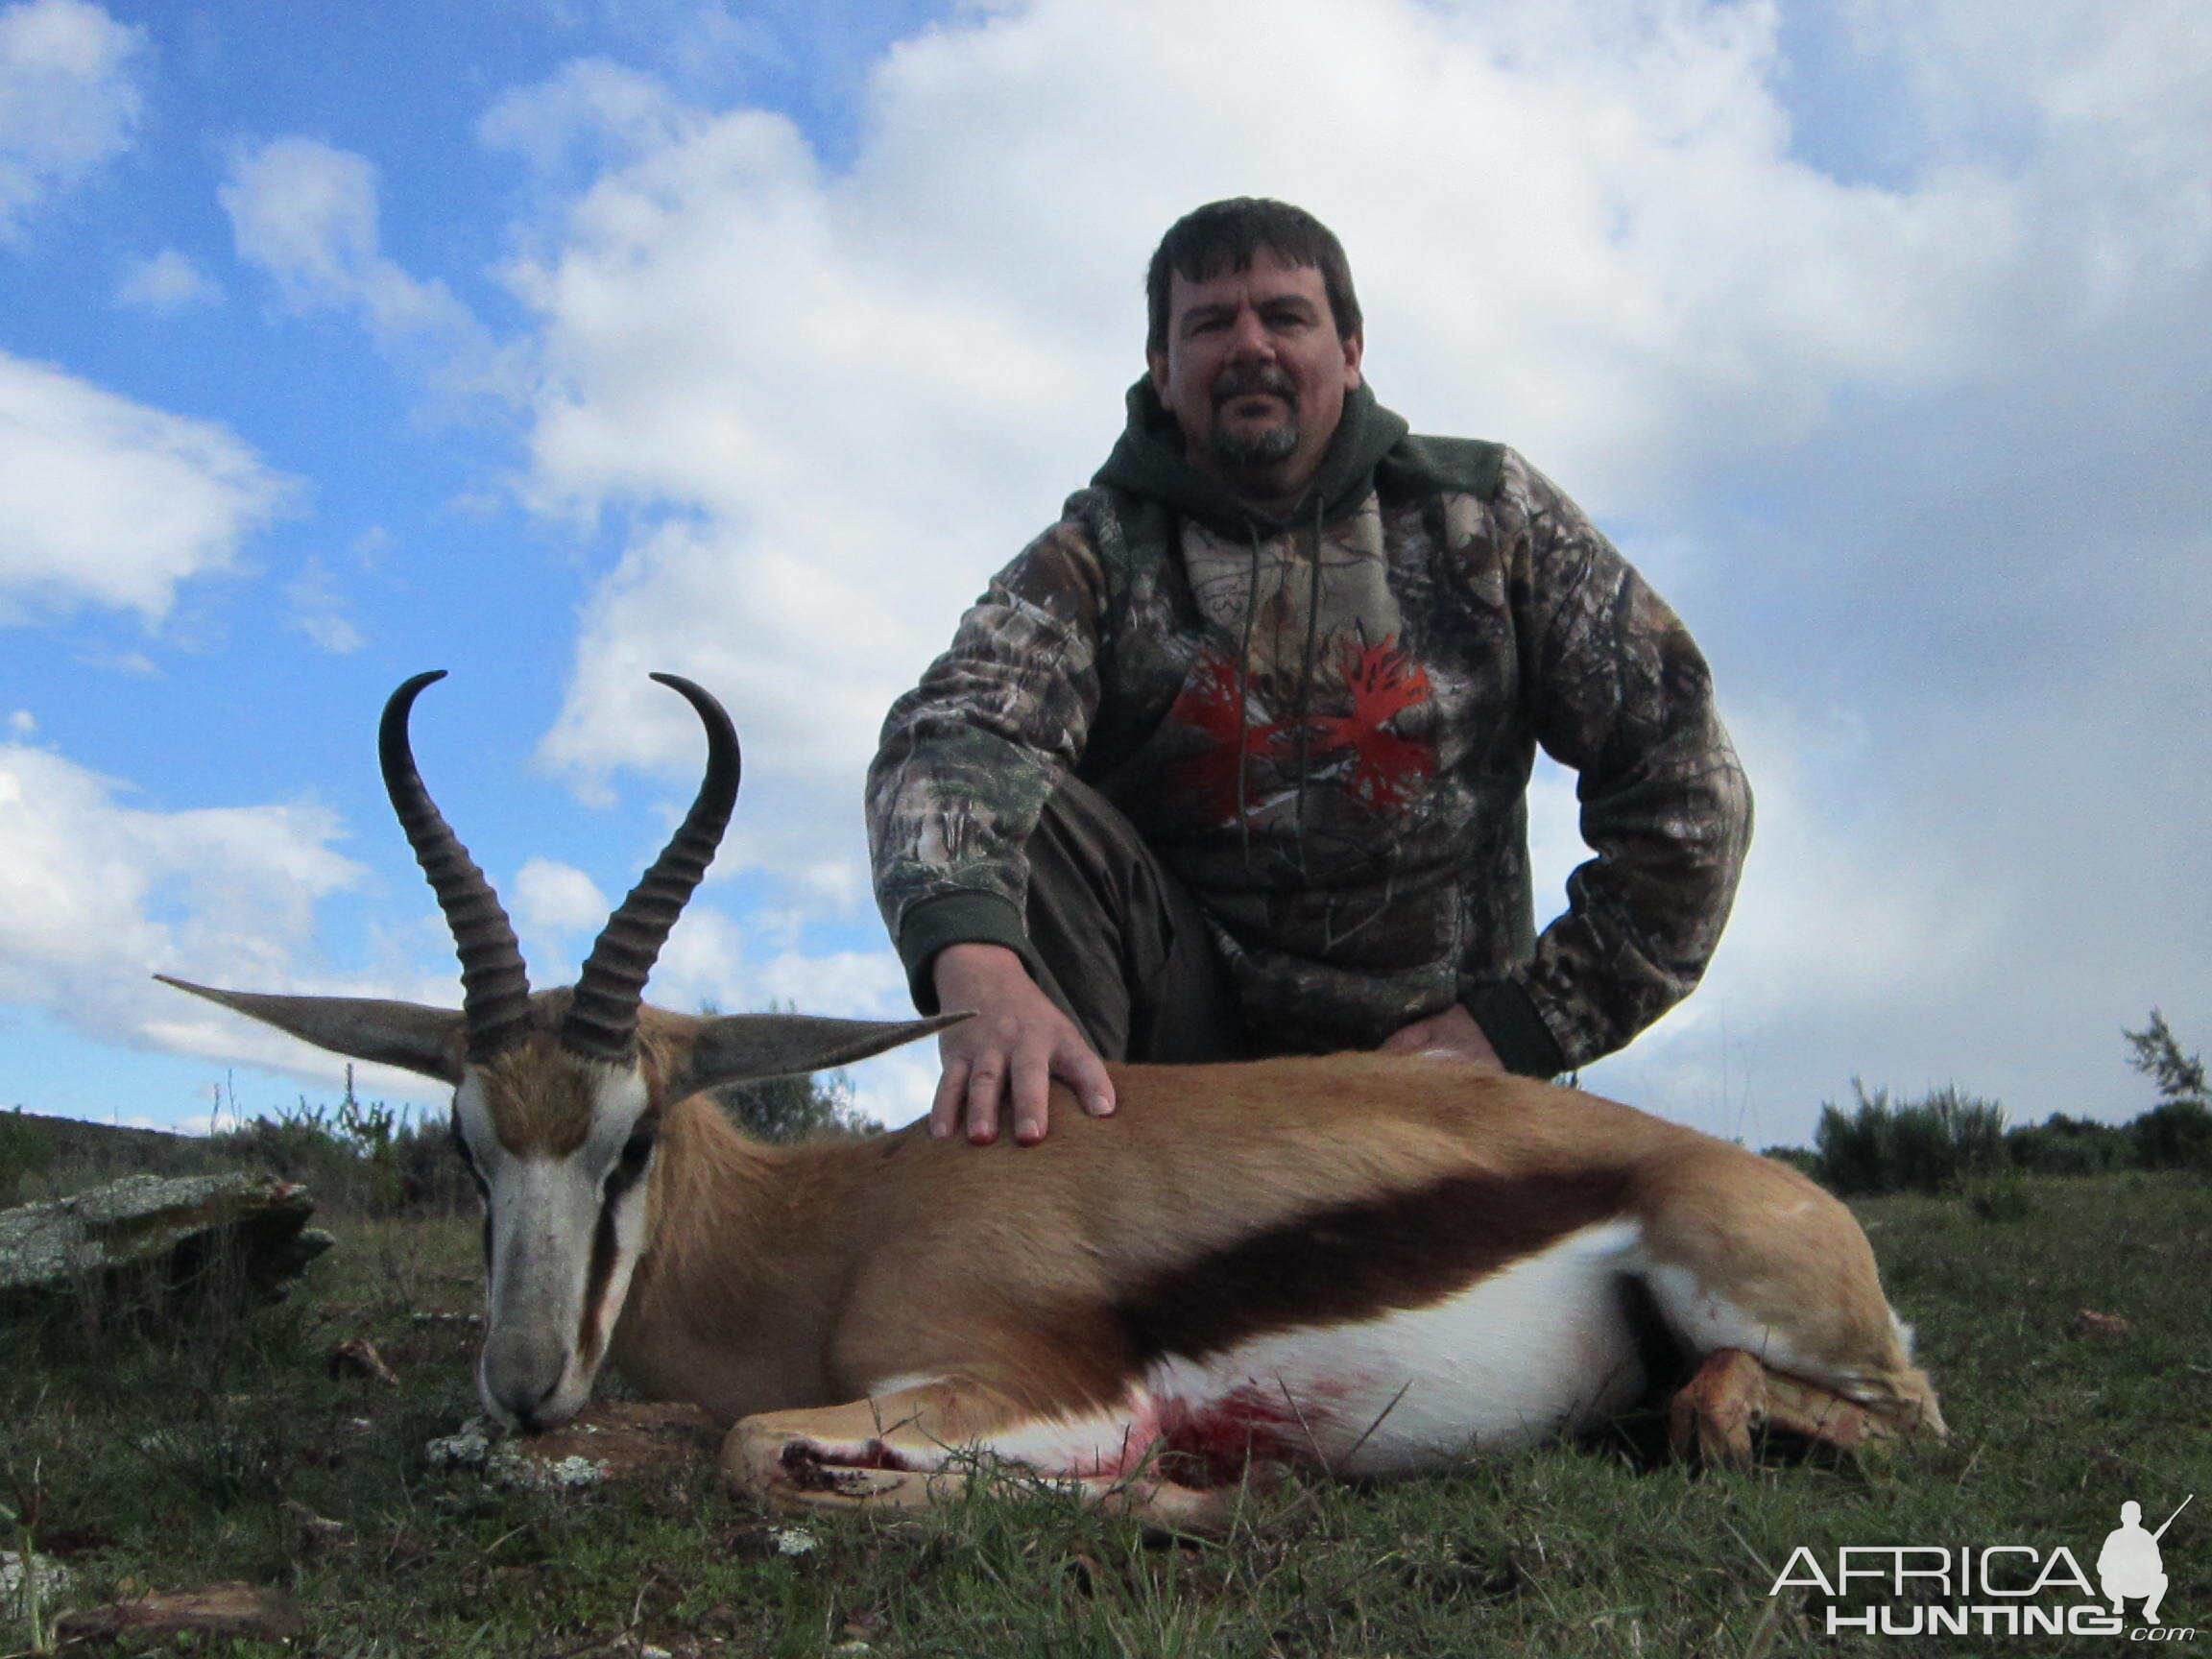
[1452, 1034]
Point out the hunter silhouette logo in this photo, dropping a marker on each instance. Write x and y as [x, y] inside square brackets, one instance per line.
[1994, 1589]
[2129, 1563]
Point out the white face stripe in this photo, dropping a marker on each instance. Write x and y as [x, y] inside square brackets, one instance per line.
[546, 1215]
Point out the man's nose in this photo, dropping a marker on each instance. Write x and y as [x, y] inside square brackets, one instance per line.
[1248, 337]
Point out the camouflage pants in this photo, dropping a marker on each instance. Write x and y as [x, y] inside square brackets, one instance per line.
[1122, 947]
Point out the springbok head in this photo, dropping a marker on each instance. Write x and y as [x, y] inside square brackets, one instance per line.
[558, 1097]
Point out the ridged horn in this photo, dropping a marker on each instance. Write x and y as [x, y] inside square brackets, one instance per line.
[495, 986]
[602, 1023]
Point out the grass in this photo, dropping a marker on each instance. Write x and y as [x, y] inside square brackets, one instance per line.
[215, 1454]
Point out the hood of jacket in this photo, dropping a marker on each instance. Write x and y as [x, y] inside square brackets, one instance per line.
[1148, 460]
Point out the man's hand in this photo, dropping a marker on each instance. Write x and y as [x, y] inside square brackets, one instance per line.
[1017, 1042]
[1452, 1033]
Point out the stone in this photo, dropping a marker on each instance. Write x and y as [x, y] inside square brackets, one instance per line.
[149, 1242]
[609, 1441]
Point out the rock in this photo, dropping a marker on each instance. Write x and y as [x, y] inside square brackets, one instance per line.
[610, 1440]
[49, 1580]
[228, 1609]
[2088, 1322]
[149, 1242]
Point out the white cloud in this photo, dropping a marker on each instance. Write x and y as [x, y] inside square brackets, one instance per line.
[96, 896]
[166, 282]
[319, 610]
[306, 212]
[552, 897]
[109, 502]
[68, 101]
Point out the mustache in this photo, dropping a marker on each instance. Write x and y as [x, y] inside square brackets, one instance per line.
[1240, 380]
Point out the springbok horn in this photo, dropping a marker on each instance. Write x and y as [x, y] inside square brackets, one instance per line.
[495, 986]
[602, 1023]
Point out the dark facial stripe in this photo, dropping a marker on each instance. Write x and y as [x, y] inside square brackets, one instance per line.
[603, 1248]
[1356, 1262]
[636, 1151]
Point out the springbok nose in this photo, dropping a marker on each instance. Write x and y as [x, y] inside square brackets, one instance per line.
[519, 1377]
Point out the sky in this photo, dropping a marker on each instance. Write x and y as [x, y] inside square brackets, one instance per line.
[555, 342]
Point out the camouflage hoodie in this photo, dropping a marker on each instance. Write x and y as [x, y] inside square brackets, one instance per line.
[1326, 726]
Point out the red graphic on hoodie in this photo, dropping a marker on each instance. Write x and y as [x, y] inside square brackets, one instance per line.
[1216, 702]
[1387, 772]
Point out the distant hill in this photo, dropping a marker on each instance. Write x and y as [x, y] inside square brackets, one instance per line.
[68, 1153]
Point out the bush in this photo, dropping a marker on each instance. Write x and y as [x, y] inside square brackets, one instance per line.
[26, 1151]
[2063, 1145]
[2174, 1135]
[358, 1157]
[1928, 1145]
[781, 1110]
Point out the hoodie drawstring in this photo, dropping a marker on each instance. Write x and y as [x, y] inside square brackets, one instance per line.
[1305, 677]
[1306, 687]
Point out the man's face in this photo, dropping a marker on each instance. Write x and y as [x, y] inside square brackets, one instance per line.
[1255, 374]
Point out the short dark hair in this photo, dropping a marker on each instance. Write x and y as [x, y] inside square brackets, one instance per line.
[1226, 235]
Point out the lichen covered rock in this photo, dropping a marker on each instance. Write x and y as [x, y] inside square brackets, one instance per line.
[148, 1242]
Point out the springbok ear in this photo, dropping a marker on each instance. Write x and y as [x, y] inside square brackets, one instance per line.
[745, 1047]
[402, 1034]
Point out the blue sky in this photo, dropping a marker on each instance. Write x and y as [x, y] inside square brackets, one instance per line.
[553, 342]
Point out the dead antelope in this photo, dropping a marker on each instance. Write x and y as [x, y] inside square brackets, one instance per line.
[1367, 1263]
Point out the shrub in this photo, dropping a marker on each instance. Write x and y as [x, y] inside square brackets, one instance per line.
[781, 1110]
[26, 1152]
[2174, 1135]
[1926, 1146]
[2063, 1145]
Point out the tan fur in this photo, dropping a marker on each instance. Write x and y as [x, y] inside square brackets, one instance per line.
[808, 1277]
[538, 1097]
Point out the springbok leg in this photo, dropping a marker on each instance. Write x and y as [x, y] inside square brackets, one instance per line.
[915, 1445]
[1733, 1393]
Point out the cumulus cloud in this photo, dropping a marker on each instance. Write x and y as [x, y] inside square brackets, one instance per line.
[68, 99]
[306, 213]
[319, 610]
[109, 502]
[166, 282]
[96, 895]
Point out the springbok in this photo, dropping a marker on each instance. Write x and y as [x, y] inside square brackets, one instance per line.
[1373, 1264]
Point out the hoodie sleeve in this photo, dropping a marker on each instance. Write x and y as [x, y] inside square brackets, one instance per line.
[1617, 690]
[968, 757]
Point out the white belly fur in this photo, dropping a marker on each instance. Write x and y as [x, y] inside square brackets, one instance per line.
[1543, 1347]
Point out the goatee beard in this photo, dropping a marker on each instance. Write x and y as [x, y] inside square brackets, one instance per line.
[1268, 448]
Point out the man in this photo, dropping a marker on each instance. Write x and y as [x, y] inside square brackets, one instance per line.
[1232, 759]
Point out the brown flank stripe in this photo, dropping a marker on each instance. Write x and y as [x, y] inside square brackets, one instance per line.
[1358, 1262]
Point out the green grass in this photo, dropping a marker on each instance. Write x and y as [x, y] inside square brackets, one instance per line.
[171, 1464]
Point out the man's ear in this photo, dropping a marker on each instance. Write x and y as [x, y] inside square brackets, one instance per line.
[402, 1034]
[745, 1047]
[1157, 363]
[1355, 349]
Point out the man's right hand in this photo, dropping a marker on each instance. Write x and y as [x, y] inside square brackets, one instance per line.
[1009, 1053]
